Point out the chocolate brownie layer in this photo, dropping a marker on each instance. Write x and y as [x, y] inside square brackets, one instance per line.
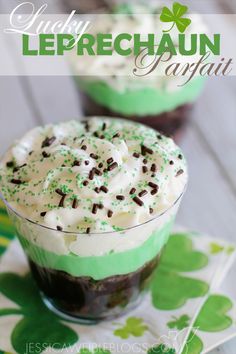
[86, 298]
[169, 123]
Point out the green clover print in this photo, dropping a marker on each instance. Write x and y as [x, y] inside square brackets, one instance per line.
[161, 349]
[134, 327]
[179, 323]
[176, 17]
[38, 325]
[212, 318]
[170, 290]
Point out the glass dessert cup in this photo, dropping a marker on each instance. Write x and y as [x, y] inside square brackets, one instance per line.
[166, 112]
[93, 288]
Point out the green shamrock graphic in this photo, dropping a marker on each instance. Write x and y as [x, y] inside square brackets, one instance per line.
[194, 345]
[171, 290]
[38, 325]
[215, 248]
[176, 16]
[161, 349]
[179, 323]
[212, 317]
[134, 327]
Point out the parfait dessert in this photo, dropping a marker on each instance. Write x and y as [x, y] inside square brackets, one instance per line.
[136, 87]
[93, 203]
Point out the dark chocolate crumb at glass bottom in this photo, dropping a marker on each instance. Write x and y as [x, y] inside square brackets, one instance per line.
[169, 123]
[86, 298]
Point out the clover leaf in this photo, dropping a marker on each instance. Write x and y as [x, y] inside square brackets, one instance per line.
[134, 327]
[176, 17]
[179, 323]
[170, 290]
[38, 325]
[161, 349]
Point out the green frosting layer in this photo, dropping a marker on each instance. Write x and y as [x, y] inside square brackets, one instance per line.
[100, 267]
[141, 102]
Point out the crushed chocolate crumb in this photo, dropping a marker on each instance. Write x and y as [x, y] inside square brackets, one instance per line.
[43, 213]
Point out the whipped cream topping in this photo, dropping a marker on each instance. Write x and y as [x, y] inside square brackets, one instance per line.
[96, 176]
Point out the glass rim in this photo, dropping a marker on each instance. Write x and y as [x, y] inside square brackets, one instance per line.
[7, 204]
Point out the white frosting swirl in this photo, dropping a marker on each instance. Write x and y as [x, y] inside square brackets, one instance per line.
[78, 176]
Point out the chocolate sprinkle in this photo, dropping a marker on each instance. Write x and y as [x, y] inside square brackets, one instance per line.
[117, 135]
[48, 142]
[88, 230]
[60, 192]
[142, 193]
[110, 160]
[59, 228]
[97, 171]
[100, 206]
[138, 201]
[153, 167]
[95, 208]
[112, 166]
[151, 210]
[86, 162]
[83, 147]
[136, 154]
[93, 156]
[154, 191]
[97, 190]
[145, 149]
[171, 162]
[16, 169]
[145, 169]
[153, 185]
[76, 163]
[43, 213]
[180, 156]
[45, 154]
[104, 126]
[145, 161]
[85, 183]
[109, 213]
[61, 203]
[16, 181]
[104, 189]
[10, 164]
[180, 172]
[100, 165]
[91, 174]
[120, 197]
[132, 190]
[75, 203]
[159, 137]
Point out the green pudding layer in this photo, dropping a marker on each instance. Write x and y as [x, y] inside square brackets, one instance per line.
[100, 267]
[141, 102]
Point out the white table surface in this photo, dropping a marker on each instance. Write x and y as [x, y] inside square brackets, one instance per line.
[209, 143]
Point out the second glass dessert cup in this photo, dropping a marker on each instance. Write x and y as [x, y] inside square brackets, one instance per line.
[101, 285]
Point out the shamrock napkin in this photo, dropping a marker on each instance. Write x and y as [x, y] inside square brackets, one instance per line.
[181, 313]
